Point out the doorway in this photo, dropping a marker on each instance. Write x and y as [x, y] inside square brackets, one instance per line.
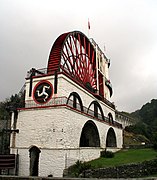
[34, 160]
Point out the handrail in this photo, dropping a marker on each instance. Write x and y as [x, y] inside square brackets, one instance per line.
[43, 72]
[64, 101]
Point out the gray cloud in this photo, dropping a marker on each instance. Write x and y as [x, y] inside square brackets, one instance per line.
[127, 29]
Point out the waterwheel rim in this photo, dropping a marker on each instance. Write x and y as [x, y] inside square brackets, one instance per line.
[74, 54]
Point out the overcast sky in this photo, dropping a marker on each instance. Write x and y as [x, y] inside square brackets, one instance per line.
[127, 29]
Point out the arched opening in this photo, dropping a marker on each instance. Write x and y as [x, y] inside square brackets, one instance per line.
[110, 118]
[34, 160]
[89, 135]
[111, 138]
[95, 108]
[75, 101]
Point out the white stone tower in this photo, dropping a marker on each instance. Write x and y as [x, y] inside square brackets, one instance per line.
[68, 115]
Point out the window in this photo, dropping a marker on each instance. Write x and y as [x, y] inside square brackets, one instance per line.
[74, 100]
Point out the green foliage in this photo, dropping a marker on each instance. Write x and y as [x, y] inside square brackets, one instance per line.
[147, 125]
[3, 112]
[124, 157]
[155, 146]
[107, 154]
[155, 141]
[130, 138]
[148, 113]
[78, 168]
[139, 128]
[15, 101]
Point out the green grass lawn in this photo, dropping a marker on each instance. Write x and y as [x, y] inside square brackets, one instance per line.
[125, 157]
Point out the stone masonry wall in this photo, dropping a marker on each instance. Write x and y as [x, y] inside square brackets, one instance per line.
[49, 178]
[144, 169]
[56, 132]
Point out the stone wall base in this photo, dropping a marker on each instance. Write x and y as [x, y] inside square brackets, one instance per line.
[144, 169]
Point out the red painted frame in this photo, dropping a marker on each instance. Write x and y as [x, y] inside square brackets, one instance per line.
[40, 82]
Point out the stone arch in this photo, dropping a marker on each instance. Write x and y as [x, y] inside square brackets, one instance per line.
[97, 108]
[110, 118]
[76, 102]
[111, 138]
[34, 160]
[89, 135]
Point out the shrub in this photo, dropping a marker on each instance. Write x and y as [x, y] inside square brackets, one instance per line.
[107, 154]
[155, 141]
[155, 146]
[78, 168]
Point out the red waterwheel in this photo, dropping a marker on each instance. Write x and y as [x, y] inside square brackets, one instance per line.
[73, 54]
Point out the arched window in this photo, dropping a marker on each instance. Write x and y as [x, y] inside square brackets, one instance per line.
[75, 101]
[90, 135]
[110, 118]
[34, 160]
[111, 138]
[96, 108]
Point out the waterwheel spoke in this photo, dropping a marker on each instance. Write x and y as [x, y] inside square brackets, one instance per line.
[74, 54]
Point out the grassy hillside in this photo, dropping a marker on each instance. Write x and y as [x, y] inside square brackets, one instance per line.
[147, 124]
[130, 138]
[125, 157]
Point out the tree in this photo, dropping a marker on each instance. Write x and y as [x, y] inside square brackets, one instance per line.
[147, 125]
[12, 103]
